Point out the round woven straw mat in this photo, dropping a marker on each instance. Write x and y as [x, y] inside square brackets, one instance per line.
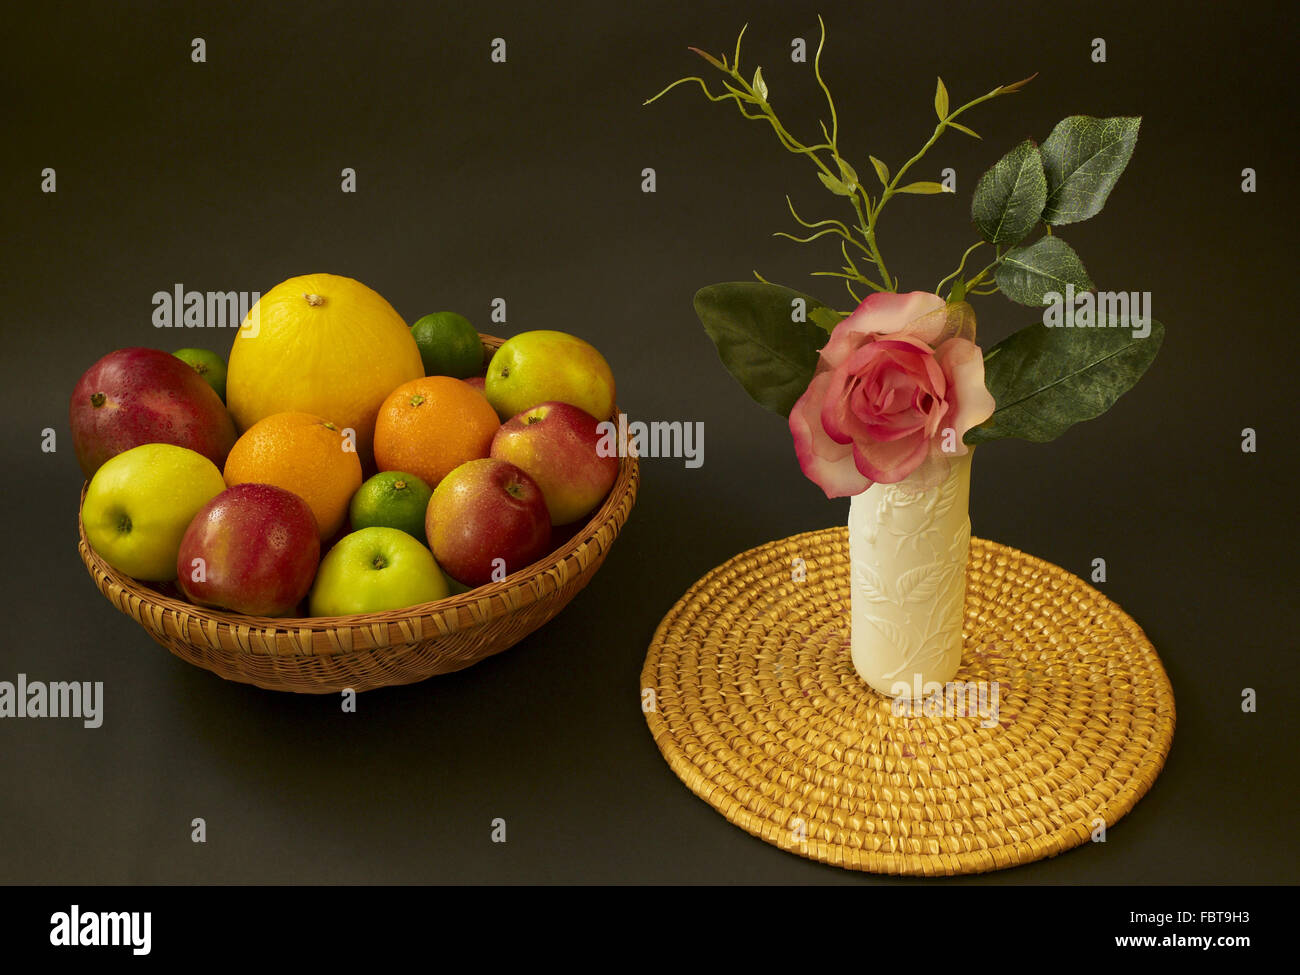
[757, 708]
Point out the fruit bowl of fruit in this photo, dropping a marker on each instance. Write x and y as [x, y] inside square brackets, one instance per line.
[239, 532]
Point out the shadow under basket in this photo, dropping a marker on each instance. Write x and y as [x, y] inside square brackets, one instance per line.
[325, 655]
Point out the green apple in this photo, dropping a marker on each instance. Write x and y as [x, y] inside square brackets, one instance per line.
[541, 366]
[139, 504]
[373, 570]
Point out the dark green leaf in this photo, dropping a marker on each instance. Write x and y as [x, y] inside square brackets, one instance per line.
[1009, 198]
[1083, 159]
[1028, 274]
[1045, 380]
[769, 353]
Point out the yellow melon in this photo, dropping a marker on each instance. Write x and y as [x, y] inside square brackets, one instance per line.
[321, 344]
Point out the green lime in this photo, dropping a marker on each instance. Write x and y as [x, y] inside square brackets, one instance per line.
[449, 345]
[207, 364]
[391, 499]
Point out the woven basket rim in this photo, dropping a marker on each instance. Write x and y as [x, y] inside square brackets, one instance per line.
[492, 601]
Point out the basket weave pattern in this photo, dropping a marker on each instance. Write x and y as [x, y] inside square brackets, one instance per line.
[327, 655]
[759, 711]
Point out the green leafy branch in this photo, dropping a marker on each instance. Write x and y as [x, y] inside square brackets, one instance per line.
[1043, 379]
[836, 173]
[1067, 179]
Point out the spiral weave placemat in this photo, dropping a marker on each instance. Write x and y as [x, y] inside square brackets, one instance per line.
[757, 708]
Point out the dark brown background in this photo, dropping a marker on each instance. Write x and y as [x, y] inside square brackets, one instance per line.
[522, 180]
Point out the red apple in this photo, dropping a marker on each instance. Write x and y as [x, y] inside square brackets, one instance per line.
[486, 519]
[477, 382]
[137, 396]
[259, 547]
[555, 445]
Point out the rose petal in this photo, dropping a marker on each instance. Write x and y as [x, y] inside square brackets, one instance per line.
[836, 418]
[969, 401]
[889, 462]
[892, 426]
[900, 351]
[874, 420]
[892, 393]
[882, 313]
[827, 464]
[846, 408]
[905, 347]
[937, 380]
[905, 366]
[955, 320]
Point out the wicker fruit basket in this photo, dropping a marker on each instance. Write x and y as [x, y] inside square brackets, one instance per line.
[325, 655]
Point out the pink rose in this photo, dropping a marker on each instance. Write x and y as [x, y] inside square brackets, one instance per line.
[896, 374]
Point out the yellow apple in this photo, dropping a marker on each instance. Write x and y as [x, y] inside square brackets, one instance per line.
[139, 504]
[546, 366]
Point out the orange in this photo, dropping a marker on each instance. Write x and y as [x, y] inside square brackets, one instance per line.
[302, 453]
[429, 426]
[320, 344]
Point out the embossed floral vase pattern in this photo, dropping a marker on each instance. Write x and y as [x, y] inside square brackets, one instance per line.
[907, 555]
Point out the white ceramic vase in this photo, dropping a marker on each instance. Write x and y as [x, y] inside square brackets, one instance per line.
[908, 552]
